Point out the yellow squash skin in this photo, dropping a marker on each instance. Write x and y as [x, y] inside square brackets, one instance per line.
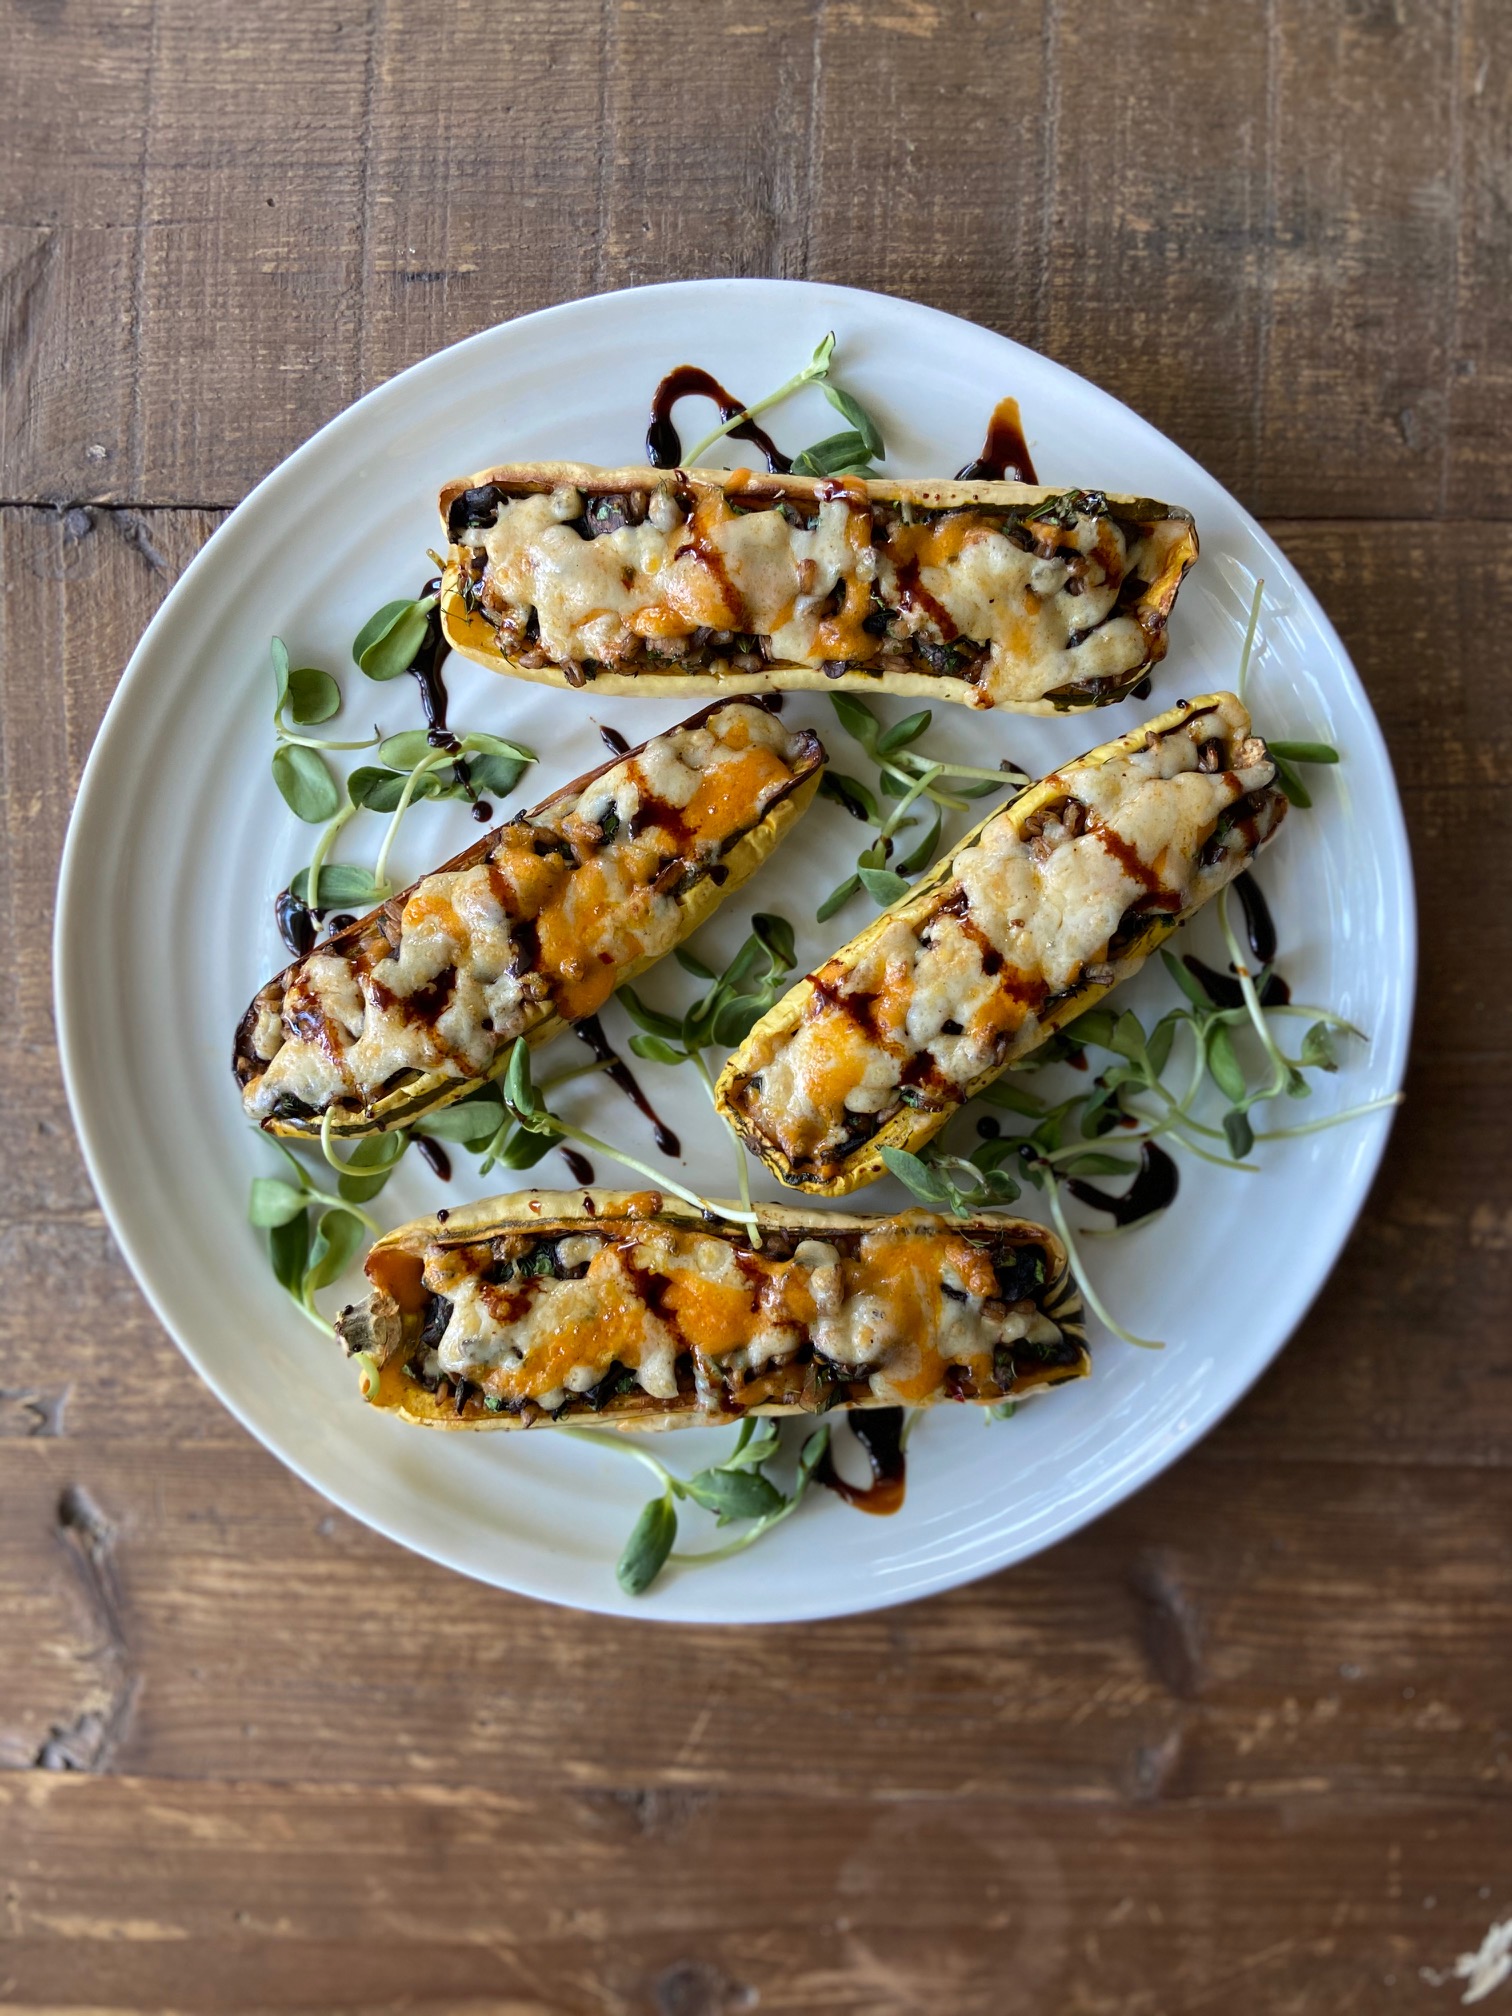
[554, 1213]
[912, 1127]
[431, 1090]
[472, 635]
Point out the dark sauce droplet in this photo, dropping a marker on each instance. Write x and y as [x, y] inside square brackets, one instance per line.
[578, 1166]
[664, 445]
[434, 1156]
[879, 1430]
[482, 811]
[342, 921]
[425, 668]
[612, 739]
[1005, 453]
[1258, 922]
[296, 926]
[591, 1032]
[1152, 1189]
[1224, 991]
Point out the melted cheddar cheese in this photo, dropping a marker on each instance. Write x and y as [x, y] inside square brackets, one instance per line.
[906, 1301]
[546, 923]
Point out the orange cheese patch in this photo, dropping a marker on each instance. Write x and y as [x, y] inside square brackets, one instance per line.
[727, 794]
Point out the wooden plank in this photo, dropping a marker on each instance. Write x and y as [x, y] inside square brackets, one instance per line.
[1476, 473]
[483, 170]
[927, 176]
[248, 292]
[1237, 1632]
[1152, 262]
[70, 168]
[1352, 374]
[292, 1897]
[210, 252]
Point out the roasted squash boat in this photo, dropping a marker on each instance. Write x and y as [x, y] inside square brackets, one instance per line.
[1041, 909]
[521, 1311]
[532, 928]
[662, 581]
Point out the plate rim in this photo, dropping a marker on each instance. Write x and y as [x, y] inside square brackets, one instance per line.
[66, 954]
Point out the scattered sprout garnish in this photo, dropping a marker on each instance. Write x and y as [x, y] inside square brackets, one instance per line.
[1287, 755]
[1129, 1106]
[735, 1489]
[904, 774]
[388, 642]
[413, 768]
[306, 1259]
[725, 1015]
[525, 1106]
[850, 453]
[305, 696]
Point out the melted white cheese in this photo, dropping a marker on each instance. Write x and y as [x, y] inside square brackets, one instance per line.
[1047, 619]
[1047, 906]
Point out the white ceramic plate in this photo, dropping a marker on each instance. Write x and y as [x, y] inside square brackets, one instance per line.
[179, 843]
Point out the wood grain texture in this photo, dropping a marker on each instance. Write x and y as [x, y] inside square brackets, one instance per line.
[1248, 1741]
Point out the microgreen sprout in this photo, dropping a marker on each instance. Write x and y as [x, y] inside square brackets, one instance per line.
[734, 1490]
[412, 769]
[529, 1111]
[390, 640]
[306, 1259]
[1285, 755]
[734, 1003]
[306, 696]
[849, 453]
[905, 774]
[1130, 1108]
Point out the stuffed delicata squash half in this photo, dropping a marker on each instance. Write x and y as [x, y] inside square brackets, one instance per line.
[1046, 905]
[629, 1307]
[662, 581]
[532, 928]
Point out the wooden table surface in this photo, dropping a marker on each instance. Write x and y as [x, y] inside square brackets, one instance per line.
[1246, 1743]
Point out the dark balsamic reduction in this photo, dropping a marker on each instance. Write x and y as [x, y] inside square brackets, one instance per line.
[425, 668]
[879, 1430]
[296, 926]
[342, 921]
[613, 740]
[1005, 453]
[1152, 1189]
[1258, 922]
[591, 1032]
[1224, 990]
[434, 1156]
[578, 1166]
[663, 444]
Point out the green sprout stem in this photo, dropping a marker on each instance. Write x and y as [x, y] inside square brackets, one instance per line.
[322, 848]
[813, 373]
[742, 1174]
[549, 1123]
[1333, 1119]
[411, 784]
[1249, 633]
[1094, 1301]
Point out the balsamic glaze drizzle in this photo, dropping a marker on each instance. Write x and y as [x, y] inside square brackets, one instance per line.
[1005, 453]
[663, 443]
[1258, 922]
[879, 1430]
[1152, 1189]
[591, 1032]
